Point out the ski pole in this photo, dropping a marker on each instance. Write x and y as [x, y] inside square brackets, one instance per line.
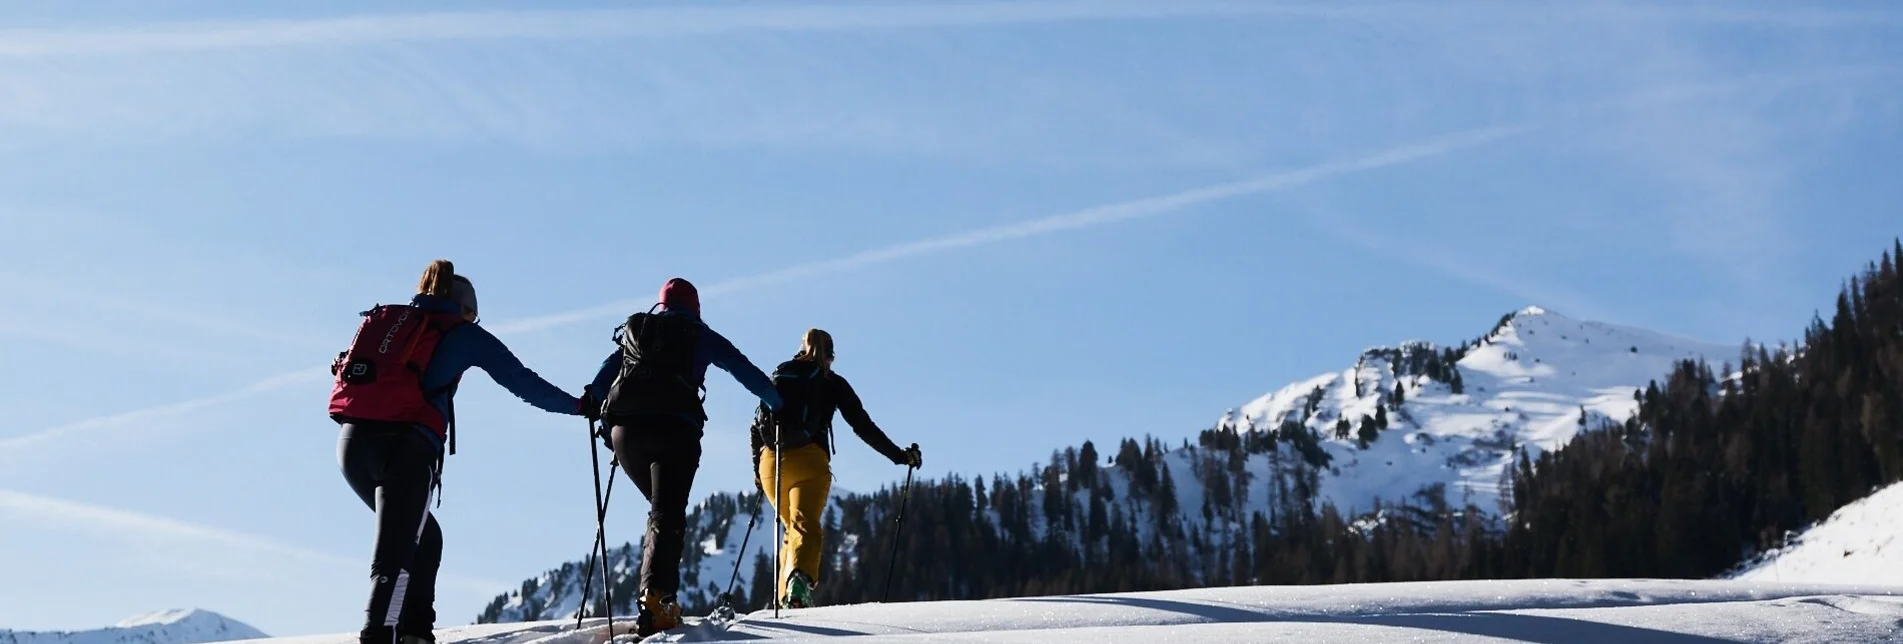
[588, 578]
[898, 528]
[588, 574]
[601, 538]
[738, 556]
[779, 525]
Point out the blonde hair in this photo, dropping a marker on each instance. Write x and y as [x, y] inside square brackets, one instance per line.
[437, 279]
[816, 346]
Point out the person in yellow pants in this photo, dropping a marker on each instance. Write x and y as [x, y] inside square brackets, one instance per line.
[810, 391]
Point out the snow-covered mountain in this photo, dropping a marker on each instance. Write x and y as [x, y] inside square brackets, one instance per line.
[1418, 423]
[1859, 543]
[1533, 383]
[163, 627]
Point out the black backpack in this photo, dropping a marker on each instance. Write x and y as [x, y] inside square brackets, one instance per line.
[657, 363]
[802, 416]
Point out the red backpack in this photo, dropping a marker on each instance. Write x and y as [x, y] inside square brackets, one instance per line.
[380, 378]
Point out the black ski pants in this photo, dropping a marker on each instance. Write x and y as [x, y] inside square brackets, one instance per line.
[660, 453]
[392, 467]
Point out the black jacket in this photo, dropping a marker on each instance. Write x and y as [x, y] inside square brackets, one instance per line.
[835, 394]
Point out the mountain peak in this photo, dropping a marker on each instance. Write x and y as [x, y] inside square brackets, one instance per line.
[174, 626]
[166, 617]
[1454, 419]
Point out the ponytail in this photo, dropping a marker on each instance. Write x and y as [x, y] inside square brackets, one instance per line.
[437, 279]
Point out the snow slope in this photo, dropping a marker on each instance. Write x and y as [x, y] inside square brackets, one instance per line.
[1860, 543]
[1542, 611]
[1525, 384]
[163, 627]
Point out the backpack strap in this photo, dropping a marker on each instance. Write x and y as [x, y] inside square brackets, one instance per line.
[409, 348]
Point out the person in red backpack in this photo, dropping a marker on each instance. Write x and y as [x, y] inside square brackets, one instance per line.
[392, 400]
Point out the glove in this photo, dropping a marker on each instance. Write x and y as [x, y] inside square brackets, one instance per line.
[587, 407]
[911, 457]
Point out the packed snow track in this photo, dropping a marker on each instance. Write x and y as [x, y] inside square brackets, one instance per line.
[1539, 611]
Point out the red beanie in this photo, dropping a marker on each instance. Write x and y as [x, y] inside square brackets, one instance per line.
[678, 293]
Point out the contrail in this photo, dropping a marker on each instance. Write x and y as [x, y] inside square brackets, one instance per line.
[144, 528]
[690, 21]
[1086, 218]
[643, 22]
[301, 376]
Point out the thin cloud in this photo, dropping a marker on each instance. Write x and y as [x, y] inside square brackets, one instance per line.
[89, 426]
[93, 324]
[1087, 218]
[650, 22]
[74, 514]
[1511, 280]
[1091, 217]
[647, 76]
[149, 530]
[660, 22]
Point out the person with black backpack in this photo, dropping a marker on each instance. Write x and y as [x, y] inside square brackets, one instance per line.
[792, 452]
[651, 394]
[392, 400]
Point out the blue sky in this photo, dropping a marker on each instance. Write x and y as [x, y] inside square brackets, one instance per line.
[1028, 224]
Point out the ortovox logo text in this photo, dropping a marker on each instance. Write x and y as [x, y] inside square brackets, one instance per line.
[390, 336]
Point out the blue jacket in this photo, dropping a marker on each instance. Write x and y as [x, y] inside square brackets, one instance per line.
[712, 349]
[469, 345]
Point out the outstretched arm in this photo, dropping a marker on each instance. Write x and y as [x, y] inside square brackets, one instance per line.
[855, 414]
[503, 367]
[730, 359]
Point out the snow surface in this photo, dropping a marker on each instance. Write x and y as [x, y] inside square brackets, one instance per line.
[1542, 611]
[1525, 386]
[163, 627]
[1860, 543]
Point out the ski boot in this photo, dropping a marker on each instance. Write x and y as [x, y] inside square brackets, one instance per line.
[388, 635]
[799, 590]
[723, 609]
[656, 614]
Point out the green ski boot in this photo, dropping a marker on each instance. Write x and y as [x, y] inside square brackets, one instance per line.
[799, 590]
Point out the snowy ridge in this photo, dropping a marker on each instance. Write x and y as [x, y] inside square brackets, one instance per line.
[1532, 383]
[1451, 434]
[1860, 543]
[1461, 416]
[163, 627]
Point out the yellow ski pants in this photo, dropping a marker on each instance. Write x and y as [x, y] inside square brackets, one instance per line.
[807, 474]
